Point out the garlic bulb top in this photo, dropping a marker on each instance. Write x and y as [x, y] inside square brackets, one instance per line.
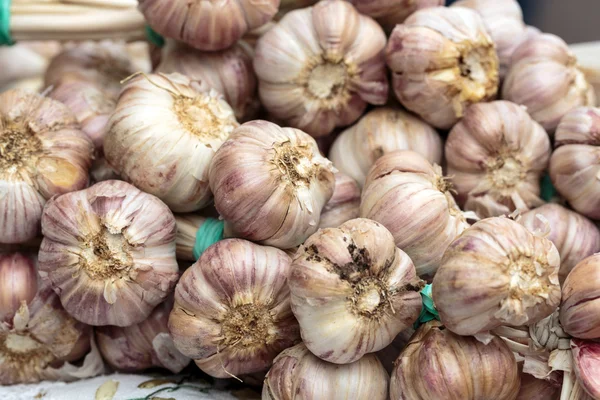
[353, 291]
[438, 364]
[544, 77]
[442, 60]
[496, 273]
[163, 135]
[232, 309]
[496, 155]
[207, 25]
[18, 282]
[344, 203]
[298, 374]
[413, 200]
[319, 67]
[379, 132]
[390, 13]
[109, 252]
[42, 153]
[271, 183]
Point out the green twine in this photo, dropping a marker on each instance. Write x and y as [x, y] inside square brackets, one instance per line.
[154, 37]
[5, 39]
[548, 192]
[210, 232]
[428, 312]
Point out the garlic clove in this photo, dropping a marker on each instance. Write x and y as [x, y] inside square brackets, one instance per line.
[586, 360]
[18, 282]
[344, 203]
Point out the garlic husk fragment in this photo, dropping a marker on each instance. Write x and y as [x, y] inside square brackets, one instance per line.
[271, 184]
[316, 75]
[390, 13]
[496, 273]
[545, 78]
[43, 153]
[586, 360]
[413, 200]
[163, 135]
[109, 252]
[537, 389]
[18, 282]
[353, 291]
[438, 364]
[344, 203]
[379, 132]
[580, 308]
[496, 156]
[574, 236]
[442, 60]
[232, 310]
[298, 374]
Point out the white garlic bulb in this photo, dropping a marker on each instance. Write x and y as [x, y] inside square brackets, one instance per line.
[413, 200]
[232, 309]
[379, 132]
[319, 67]
[344, 203]
[496, 273]
[163, 135]
[442, 60]
[109, 252]
[298, 374]
[496, 156]
[271, 184]
[353, 291]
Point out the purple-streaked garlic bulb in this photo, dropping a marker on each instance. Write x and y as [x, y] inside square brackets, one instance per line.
[344, 204]
[18, 282]
[533, 388]
[586, 360]
[389, 13]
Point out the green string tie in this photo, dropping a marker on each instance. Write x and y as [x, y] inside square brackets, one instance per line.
[154, 37]
[5, 39]
[428, 312]
[547, 189]
[210, 232]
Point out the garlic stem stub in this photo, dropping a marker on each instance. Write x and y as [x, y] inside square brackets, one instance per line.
[232, 310]
[343, 205]
[298, 374]
[270, 184]
[43, 153]
[163, 135]
[18, 282]
[109, 252]
[586, 360]
[496, 156]
[442, 60]
[496, 273]
[413, 200]
[320, 66]
[352, 291]
[379, 132]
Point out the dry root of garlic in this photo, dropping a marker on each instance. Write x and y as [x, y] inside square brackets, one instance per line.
[344, 203]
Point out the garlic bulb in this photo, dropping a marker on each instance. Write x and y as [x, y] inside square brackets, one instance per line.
[438, 364]
[163, 135]
[537, 389]
[353, 291]
[544, 77]
[232, 313]
[143, 345]
[229, 72]
[413, 200]
[496, 273]
[271, 184]
[43, 153]
[442, 60]
[298, 374]
[390, 13]
[344, 203]
[586, 360]
[574, 165]
[580, 308]
[109, 252]
[320, 66]
[207, 25]
[18, 282]
[575, 236]
[496, 156]
[195, 233]
[379, 132]
[20, 62]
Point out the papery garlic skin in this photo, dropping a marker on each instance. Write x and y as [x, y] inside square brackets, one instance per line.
[545, 78]
[496, 273]
[271, 184]
[319, 67]
[413, 200]
[353, 291]
[43, 153]
[379, 132]
[575, 236]
[442, 60]
[586, 360]
[18, 282]
[207, 25]
[232, 309]
[496, 156]
[109, 252]
[298, 374]
[163, 135]
[580, 308]
[438, 364]
[537, 389]
[343, 205]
